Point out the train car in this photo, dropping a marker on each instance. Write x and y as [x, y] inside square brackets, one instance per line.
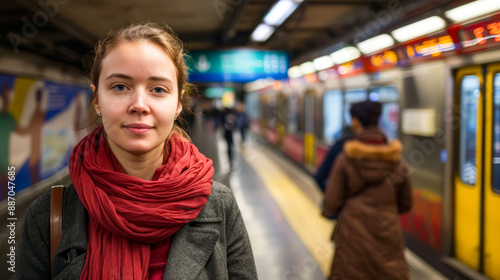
[441, 99]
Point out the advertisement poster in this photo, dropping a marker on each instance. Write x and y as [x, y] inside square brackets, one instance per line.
[40, 123]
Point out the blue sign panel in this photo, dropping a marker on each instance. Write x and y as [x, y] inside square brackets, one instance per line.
[237, 65]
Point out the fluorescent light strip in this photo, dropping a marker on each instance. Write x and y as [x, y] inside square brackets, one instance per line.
[307, 68]
[294, 72]
[262, 32]
[322, 63]
[280, 12]
[376, 43]
[419, 29]
[345, 55]
[473, 10]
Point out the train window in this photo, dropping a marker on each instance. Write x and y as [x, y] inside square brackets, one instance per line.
[496, 134]
[309, 111]
[384, 94]
[332, 116]
[252, 107]
[294, 114]
[389, 119]
[272, 112]
[352, 96]
[470, 92]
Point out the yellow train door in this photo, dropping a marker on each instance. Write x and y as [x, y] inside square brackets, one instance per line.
[477, 176]
[491, 230]
[468, 179]
[309, 128]
[281, 121]
[263, 114]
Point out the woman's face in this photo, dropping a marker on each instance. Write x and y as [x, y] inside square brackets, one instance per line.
[137, 97]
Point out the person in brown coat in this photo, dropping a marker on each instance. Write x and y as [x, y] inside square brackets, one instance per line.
[368, 187]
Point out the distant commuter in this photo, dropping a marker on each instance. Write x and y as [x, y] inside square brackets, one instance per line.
[241, 120]
[321, 175]
[229, 123]
[142, 204]
[368, 188]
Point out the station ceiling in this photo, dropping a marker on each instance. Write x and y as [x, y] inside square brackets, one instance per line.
[65, 30]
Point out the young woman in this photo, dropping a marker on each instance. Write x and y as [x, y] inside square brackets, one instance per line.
[368, 188]
[142, 204]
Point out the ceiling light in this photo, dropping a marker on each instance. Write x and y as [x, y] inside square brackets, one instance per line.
[419, 28]
[322, 63]
[307, 68]
[281, 11]
[262, 32]
[376, 43]
[473, 10]
[344, 55]
[294, 72]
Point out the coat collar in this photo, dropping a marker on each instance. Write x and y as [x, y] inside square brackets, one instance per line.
[386, 152]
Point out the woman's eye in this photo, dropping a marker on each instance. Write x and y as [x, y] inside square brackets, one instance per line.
[159, 90]
[120, 87]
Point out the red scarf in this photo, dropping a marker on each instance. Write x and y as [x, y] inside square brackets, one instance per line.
[128, 214]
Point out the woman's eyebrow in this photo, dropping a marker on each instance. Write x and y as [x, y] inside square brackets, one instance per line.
[160, 79]
[153, 78]
[123, 76]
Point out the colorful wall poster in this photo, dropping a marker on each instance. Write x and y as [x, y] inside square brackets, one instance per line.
[40, 124]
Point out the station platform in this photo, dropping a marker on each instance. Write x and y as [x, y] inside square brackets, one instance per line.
[279, 201]
[280, 204]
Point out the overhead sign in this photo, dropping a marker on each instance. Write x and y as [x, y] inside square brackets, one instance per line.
[383, 60]
[426, 48]
[430, 47]
[351, 68]
[241, 66]
[480, 35]
[433, 47]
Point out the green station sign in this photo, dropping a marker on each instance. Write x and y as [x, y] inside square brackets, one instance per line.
[242, 65]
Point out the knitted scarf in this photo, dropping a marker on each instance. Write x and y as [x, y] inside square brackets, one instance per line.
[128, 214]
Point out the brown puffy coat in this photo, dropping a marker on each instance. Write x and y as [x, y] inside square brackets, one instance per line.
[368, 187]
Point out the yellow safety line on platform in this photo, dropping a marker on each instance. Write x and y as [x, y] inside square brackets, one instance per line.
[303, 216]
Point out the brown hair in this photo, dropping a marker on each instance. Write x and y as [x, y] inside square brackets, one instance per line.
[161, 35]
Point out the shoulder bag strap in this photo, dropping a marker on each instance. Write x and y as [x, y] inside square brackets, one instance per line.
[56, 199]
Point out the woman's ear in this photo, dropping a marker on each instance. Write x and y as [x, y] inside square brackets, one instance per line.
[179, 104]
[179, 109]
[95, 101]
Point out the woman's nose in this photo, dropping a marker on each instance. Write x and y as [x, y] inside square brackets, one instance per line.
[139, 102]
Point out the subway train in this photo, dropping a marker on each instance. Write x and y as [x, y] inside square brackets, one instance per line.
[441, 98]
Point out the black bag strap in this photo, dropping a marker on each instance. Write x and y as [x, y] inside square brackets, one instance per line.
[56, 200]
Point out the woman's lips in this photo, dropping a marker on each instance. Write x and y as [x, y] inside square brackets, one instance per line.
[138, 128]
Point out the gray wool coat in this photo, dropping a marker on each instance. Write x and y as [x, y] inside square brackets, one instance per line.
[214, 245]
